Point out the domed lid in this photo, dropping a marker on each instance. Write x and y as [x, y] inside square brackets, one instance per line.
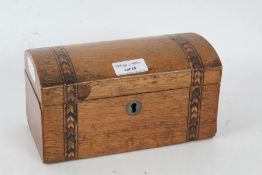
[123, 67]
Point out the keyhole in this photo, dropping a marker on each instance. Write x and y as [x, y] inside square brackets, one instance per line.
[133, 106]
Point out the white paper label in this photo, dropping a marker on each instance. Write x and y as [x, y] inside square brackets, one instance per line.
[130, 67]
[31, 68]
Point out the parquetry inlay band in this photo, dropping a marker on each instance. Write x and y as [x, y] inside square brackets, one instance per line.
[70, 101]
[195, 90]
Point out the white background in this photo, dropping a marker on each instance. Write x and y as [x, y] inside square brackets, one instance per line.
[233, 27]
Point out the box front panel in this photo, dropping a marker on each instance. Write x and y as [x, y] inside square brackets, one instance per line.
[106, 127]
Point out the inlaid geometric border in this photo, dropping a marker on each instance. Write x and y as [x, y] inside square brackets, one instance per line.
[195, 90]
[68, 77]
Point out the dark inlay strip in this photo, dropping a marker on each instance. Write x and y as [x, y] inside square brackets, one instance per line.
[195, 90]
[68, 77]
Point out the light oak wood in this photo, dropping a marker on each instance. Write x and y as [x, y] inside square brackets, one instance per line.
[162, 121]
[53, 137]
[34, 118]
[93, 65]
[209, 108]
[87, 116]
[113, 130]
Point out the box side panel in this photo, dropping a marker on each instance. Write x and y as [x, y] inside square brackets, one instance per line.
[32, 75]
[105, 127]
[209, 107]
[33, 112]
[53, 133]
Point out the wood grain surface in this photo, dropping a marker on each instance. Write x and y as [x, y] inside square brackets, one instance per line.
[77, 106]
[93, 65]
[33, 112]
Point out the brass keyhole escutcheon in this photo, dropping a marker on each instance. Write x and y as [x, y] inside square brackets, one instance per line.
[134, 107]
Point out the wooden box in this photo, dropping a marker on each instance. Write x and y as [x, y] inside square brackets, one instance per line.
[84, 101]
